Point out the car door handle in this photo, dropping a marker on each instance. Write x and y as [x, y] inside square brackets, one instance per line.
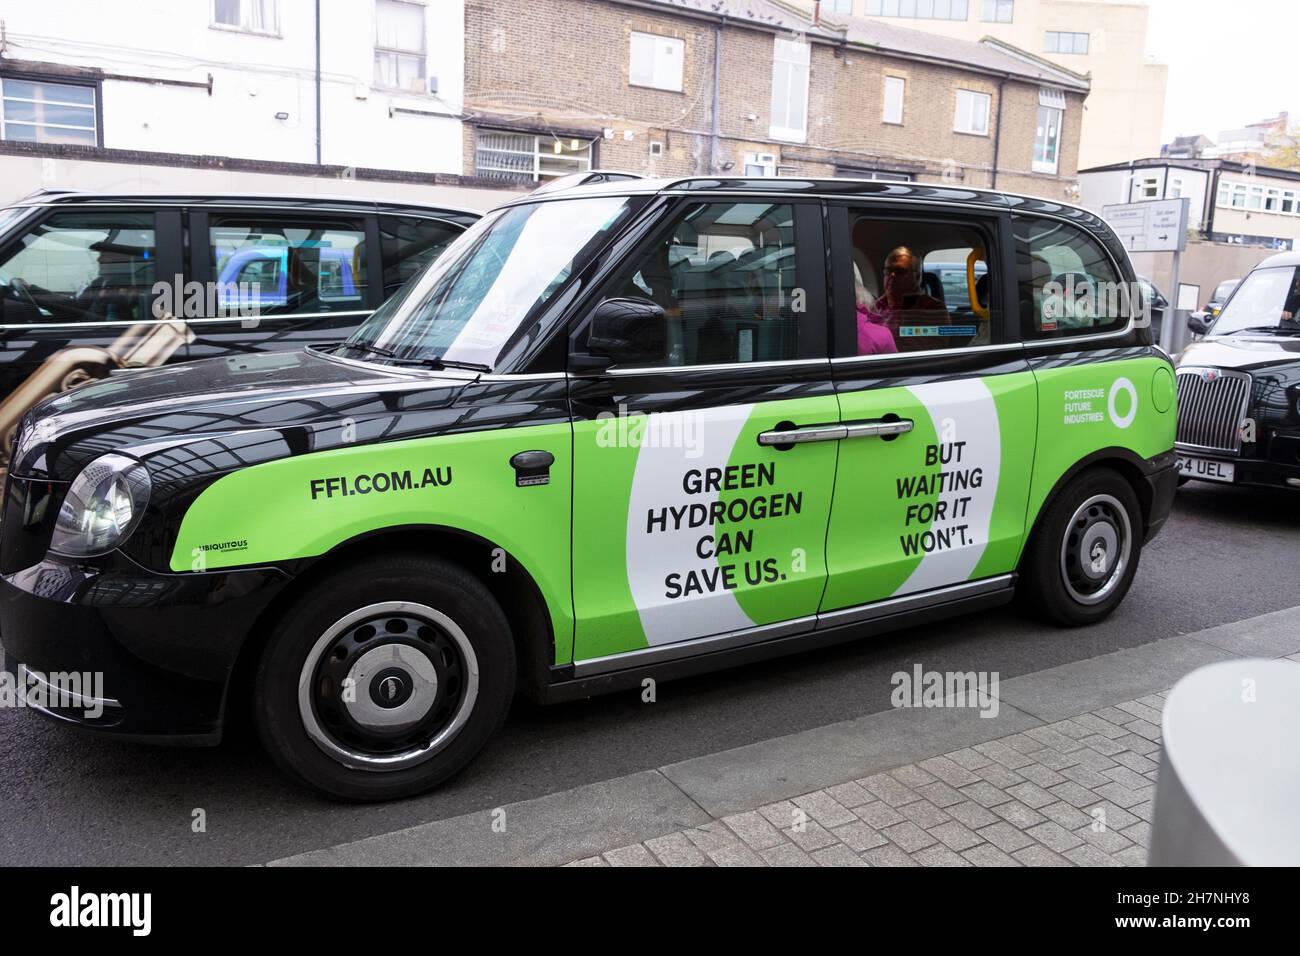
[803, 436]
[879, 428]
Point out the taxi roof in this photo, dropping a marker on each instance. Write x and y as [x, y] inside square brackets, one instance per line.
[813, 186]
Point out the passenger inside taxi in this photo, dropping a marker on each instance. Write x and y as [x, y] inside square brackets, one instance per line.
[922, 286]
[906, 309]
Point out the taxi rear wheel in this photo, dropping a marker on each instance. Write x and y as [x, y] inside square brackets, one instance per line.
[385, 679]
[1084, 553]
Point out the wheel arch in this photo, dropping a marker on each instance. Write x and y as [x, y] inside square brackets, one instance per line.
[514, 588]
[1131, 466]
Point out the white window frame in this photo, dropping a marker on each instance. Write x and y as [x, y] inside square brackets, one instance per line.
[92, 107]
[1043, 162]
[791, 73]
[1148, 187]
[765, 163]
[422, 53]
[1073, 44]
[956, 10]
[997, 8]
[839, 6]
[1176, 188]
[970, 99]
[1289, 198]
[540, 145]
[242, 27]
[667, 69]
[894, 116]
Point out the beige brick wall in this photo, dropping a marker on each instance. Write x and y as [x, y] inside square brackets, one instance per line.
[563, 65]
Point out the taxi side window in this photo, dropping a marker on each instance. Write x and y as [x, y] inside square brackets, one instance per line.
[410, 244]
[288, 267]
[724, 276]
[82, 267]
[1068, 284]
[921, 286]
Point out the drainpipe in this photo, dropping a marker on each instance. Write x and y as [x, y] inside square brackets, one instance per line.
[716, 129]
[997, 135]
[318, 118]
[1212, 201]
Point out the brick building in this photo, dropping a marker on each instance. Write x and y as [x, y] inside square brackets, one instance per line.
[689, 87]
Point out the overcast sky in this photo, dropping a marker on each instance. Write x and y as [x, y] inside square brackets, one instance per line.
[1230, 63]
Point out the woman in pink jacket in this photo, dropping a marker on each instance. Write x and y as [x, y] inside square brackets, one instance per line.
[874, 336]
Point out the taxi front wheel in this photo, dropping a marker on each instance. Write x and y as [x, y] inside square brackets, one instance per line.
[385, 678]
[1084, 554]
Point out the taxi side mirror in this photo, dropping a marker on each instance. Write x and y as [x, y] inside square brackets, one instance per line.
[1198, 323]
[628, 332]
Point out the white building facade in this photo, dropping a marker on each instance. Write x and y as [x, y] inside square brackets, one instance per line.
[278, 87]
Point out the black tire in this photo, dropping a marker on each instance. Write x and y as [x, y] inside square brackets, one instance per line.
[449, 675]
[1071, 573]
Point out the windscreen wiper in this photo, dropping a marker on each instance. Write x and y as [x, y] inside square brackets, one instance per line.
[372, 349]
[441, 363]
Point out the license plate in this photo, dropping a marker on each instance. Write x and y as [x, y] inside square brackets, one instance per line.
[1206, 469]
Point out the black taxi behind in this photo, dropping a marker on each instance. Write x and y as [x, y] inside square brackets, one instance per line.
[1239, 386]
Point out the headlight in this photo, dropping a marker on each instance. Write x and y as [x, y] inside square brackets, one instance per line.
[102, 507]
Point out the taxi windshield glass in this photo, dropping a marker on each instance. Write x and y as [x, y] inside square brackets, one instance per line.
[1268, 303]
[8, 217]
[490, 284]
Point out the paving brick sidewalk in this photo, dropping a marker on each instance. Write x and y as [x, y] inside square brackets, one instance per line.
[1076, 792]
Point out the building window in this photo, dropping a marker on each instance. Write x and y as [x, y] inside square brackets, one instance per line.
[399, 45]
[39, 112]
[1148, 187]
[920, 9]
[1047, 140]
[875, 175]
[895, 87]
[500, 154]
[1175, 188]
[997, 11]
[1289, 203]
[790, 69]
[972, 113]
[839, 6]
[657, 62]
[1047, 133]
[760, 164]
[253, 16]
[1058, 42]
[1255, 199]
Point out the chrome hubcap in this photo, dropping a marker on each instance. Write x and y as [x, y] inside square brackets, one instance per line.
[388, 686]
[1096, 549]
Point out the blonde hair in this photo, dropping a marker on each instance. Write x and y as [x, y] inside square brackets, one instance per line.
[860, 293]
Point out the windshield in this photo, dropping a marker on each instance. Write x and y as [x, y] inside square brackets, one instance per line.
[7, 218]
[489, 285]
[1268, 301]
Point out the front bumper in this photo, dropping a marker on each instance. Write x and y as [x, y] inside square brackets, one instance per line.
[1250, 472]
[156, 651]
[1162, 480]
